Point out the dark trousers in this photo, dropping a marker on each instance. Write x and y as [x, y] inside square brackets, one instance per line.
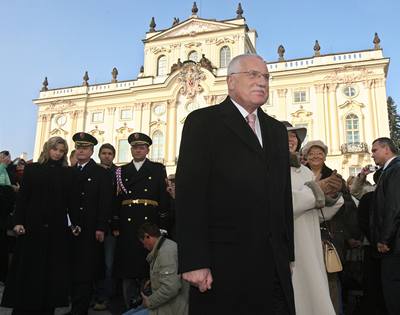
[390, 275]
[81, 295]
[41, 312]
[104, 289]
[372, 302]
[130, 290]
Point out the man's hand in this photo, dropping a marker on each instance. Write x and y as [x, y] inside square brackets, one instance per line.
[15, 187]
[365, 171]
[76, 230]
[100, 236]
[382, 248]
[145, 301]
[19, 229]
[200, 278]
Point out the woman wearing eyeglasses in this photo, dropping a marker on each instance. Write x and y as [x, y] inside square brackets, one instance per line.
[309, 277]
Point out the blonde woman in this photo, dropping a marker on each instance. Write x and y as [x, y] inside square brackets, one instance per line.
[39, 275]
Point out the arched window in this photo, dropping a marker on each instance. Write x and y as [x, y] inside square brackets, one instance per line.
[162, 65]
[157, 148]
[352, 129]
[193, 56]
[224, 57]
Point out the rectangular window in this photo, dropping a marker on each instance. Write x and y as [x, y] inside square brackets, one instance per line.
[126, 114]
[97, 117]
[124, 151]
[299, 96]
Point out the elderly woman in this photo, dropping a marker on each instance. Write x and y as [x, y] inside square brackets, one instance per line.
[344, 225]
[310, 281]
[39, 277]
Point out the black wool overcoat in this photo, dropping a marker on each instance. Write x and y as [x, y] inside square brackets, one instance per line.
[234, 210]
[40, 273]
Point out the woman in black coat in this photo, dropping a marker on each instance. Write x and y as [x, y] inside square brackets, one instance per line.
[38, 281]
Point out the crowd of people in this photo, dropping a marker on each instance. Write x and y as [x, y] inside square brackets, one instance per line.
[242, 233]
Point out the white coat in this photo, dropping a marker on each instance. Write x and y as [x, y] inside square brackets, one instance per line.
[310, 283]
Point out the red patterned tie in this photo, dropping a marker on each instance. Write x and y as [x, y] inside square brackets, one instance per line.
[251, 120]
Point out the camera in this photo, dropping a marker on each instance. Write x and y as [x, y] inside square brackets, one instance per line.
[372, 168]
[138, 300]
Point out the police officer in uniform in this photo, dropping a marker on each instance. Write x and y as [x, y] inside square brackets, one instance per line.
[93, 194]
[143, 197]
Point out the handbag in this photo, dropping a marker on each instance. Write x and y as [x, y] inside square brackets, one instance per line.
[331, 257]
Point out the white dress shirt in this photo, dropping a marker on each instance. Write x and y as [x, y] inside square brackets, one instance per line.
[244, 114]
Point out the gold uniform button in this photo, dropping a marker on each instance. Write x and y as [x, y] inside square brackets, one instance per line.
[82, 193]
[145, 218]
[130, 191]
[145, 189]
[81, 208]
[129, 219]
[150, 177]
[129, 205]
[89, 179]
[126, 179]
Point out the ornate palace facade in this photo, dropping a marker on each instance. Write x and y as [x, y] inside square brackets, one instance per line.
[340, 98]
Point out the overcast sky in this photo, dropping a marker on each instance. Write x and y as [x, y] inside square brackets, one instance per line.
[62, 39]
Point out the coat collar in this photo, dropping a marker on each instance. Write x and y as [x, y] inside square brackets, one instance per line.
[234, 120]
[135, 175]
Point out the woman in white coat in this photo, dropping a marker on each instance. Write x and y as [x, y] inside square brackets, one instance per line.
[309, 277]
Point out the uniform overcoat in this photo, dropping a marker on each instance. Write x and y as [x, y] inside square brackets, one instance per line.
[147, 183]
[93, 192]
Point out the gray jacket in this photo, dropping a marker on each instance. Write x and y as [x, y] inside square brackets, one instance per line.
[170, 294]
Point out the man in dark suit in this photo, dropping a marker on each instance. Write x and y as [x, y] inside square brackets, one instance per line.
[93, 198]
[385, 220]
[143, 198]
[234, 203]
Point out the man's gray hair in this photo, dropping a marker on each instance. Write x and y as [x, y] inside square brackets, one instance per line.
[234, 64]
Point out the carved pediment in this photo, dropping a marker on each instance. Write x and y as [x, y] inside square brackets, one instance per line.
[157, 123]
[60, 106]
[192, 27]
[349, 74]
[96, 131]
[301, 114]
[351, 105]
[58, 132]
[124, 129]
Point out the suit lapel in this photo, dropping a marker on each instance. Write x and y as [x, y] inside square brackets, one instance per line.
[233, 119]
[267, 136]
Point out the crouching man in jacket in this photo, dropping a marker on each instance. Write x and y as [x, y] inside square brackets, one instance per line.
[169, 294]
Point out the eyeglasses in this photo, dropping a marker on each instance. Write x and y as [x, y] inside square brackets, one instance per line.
[253, 74]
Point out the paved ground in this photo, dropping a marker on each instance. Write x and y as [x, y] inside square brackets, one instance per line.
[116, 308]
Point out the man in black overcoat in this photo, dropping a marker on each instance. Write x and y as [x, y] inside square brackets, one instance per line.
[93, 199]
[385, 220]
[234, 202]
[143, 198]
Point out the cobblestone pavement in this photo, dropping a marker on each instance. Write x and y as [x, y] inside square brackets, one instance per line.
[59, 311]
